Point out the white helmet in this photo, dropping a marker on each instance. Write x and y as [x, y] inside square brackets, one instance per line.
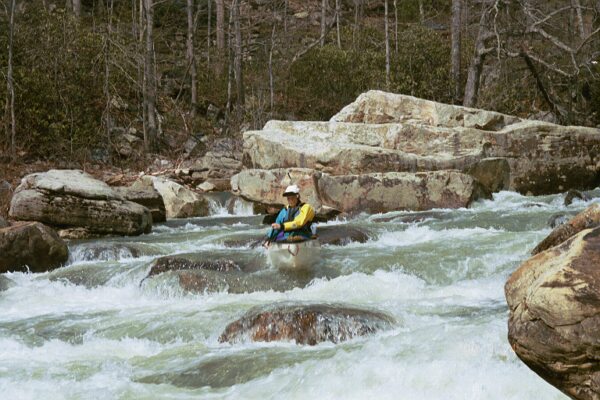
[292, 190]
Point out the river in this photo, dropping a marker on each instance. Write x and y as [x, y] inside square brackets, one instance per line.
[90, 330]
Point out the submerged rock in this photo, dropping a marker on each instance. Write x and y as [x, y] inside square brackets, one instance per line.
[31, 245]
[74, 199]
[574, 194]
[588, 218]
[554, 320]
[170, 263]
[5, 283]
[305, 324]
[339, 235]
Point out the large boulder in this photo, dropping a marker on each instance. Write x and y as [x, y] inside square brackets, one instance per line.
[554, 320]
[384, 132]
[377, 192]
[588, 218]
[305, 324]
[147, 197]
[377, 107]
[74, 199]
[31, 245]
[179, 201]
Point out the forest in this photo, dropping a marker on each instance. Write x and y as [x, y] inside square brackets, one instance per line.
[117, 82]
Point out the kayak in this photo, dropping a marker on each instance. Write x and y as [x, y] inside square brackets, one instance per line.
[294, 255]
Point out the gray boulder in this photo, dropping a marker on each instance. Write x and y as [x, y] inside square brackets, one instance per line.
[74, 199]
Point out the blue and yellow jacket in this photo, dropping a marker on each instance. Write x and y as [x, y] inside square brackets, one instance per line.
[295, 221]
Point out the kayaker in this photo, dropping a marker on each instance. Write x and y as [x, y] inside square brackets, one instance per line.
[294, 221]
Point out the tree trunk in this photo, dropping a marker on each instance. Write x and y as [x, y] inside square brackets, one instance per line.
[77, 8]
[107, 118]
[580, 22]
[387, 48]
[396, 25]
[421, 12]
[456, 46]
[337, 23]
[476, 66]
[150, 137]
[271, 80]
[10, 83]
[190, 55]
[323, 21]
[238, 68]
[209, 32]
[285, 11]
[220, 24]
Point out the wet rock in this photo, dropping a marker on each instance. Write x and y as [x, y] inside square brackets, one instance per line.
[588, 218]
[74, 199]
[558, 219]
[339, 235]
[169, 263]
[105, 252]
[5, 283]
[554, 319]
[574, 194]
[147, 197]
[31, 245]
[305, 324]
[179, 201]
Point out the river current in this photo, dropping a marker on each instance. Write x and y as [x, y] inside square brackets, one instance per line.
[90, 330]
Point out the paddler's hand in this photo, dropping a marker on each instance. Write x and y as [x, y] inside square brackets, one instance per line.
[276, 226]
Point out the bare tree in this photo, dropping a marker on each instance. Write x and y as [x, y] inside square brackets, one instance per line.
[10, 82]
[238, 54]
[107, 41]
[476, 65]
[190, 56]
[396, 24]
[337, 23]
[77, 8]
[323, 21]
[456, 46]
[150, 133]
[209, 32]
[387, 48]
[220, 24]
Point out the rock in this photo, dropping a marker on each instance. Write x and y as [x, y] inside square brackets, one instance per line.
[554, 319]
[383, 132]
[341, 148]
[76, 234]
[99, 251]
[170, 263]
[301, 15]
[574, 194]
[340, 235]
[305, 324]
[73, 199]
[492, 173]
[207, 187]
[194, 147]
[5, 283]
[558, 219]
[377, 107]
[31, 245]
[588, 218]
[372, 193]
[127, 144]
[3, 223]
[222, 160]
[179, 201]
[147, 197]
